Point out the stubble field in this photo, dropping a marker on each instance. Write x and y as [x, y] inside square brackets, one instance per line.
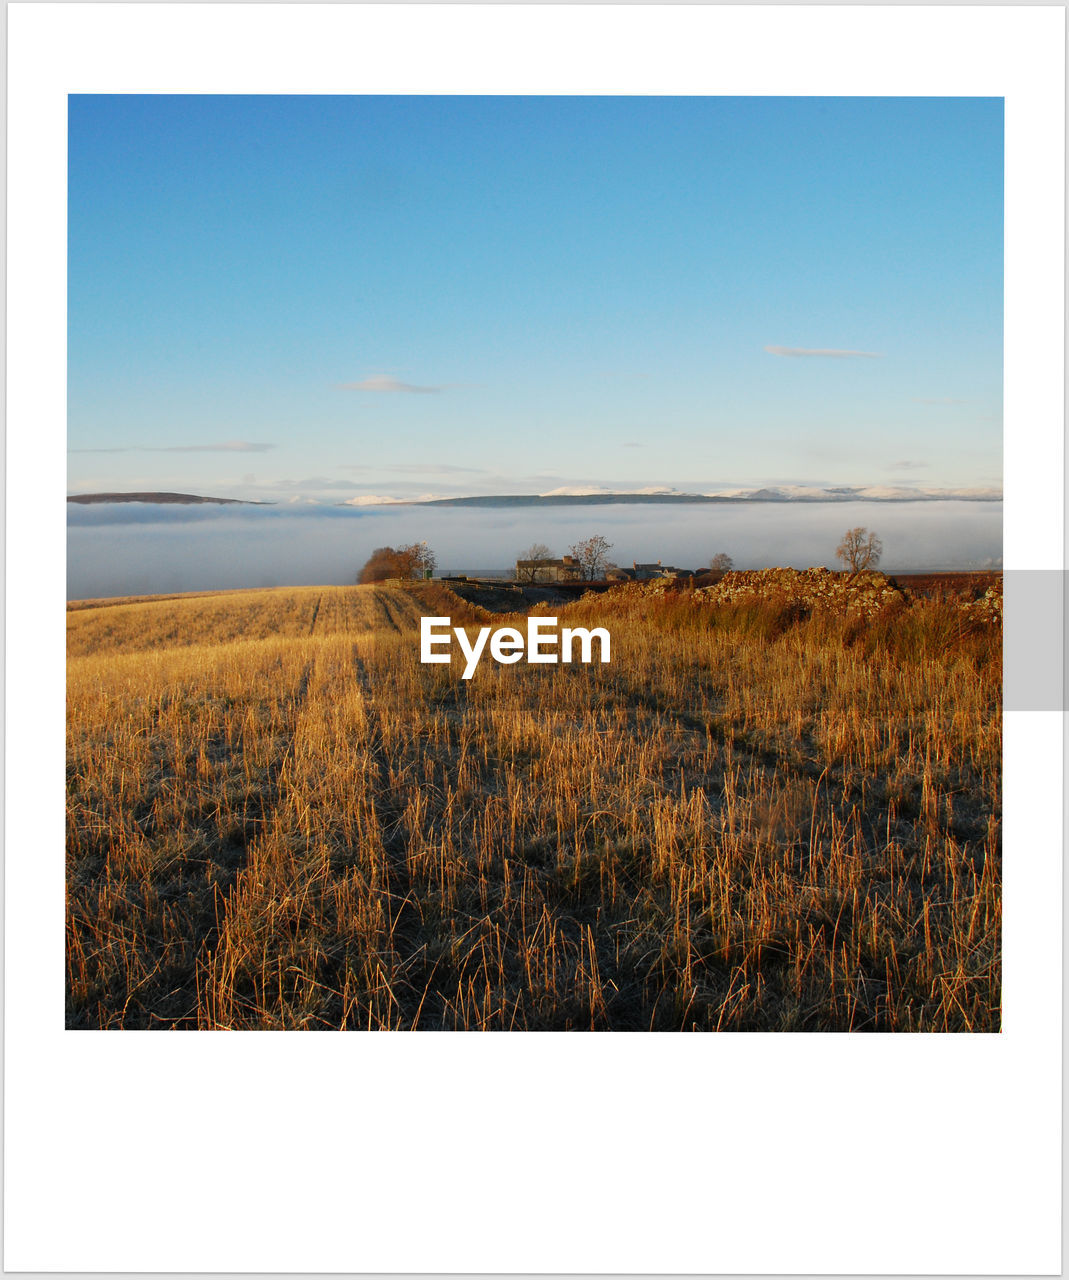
[755, 817]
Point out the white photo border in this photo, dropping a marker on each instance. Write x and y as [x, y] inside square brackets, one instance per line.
[539, 1152]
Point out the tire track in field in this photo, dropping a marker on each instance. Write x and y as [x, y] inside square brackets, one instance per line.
[260, 809]
[405, 927]
[203, 882]
[315, 615]
[406, 924]
[392, 612]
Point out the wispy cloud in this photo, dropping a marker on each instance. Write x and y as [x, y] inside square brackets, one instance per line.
[418, 468]
[384, 382]
[311, 487]
[823, 351]
[937, 400]
[311, 482]
[906, 465]
[634, 444]
[228, 446]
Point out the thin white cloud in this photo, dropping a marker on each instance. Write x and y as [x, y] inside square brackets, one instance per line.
[228, 446]
[325, 487]
[906, 465]
[384, 382]
[823, 351]
[937, 400]
[418, 468]
[311, 482]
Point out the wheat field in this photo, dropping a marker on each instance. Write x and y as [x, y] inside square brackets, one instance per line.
[750, 819]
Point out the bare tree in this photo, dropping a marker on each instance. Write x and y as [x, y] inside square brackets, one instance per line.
[536, 551]
[410, 561]
[721, 562]
[593, 556]
[420, 561]
[859, 550]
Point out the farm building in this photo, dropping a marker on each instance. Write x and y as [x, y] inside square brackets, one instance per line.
[567, 569]
[658, 570]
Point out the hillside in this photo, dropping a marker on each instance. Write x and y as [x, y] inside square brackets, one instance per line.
[790, 494]
[87, 499]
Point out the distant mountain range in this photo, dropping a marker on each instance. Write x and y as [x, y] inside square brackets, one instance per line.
[169, 498]
[591, 495]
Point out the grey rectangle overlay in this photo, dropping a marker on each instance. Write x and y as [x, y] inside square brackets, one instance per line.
[1033, 642]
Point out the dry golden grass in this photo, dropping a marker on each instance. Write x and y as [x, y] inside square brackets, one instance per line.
[278, 818]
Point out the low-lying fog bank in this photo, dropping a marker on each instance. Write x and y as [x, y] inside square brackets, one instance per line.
[139, 549]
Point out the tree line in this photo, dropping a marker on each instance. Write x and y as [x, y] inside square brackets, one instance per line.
[859, 550]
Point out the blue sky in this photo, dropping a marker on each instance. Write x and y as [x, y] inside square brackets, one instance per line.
[330, 297]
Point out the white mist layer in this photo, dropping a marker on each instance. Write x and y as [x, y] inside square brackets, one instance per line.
[140, 549]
